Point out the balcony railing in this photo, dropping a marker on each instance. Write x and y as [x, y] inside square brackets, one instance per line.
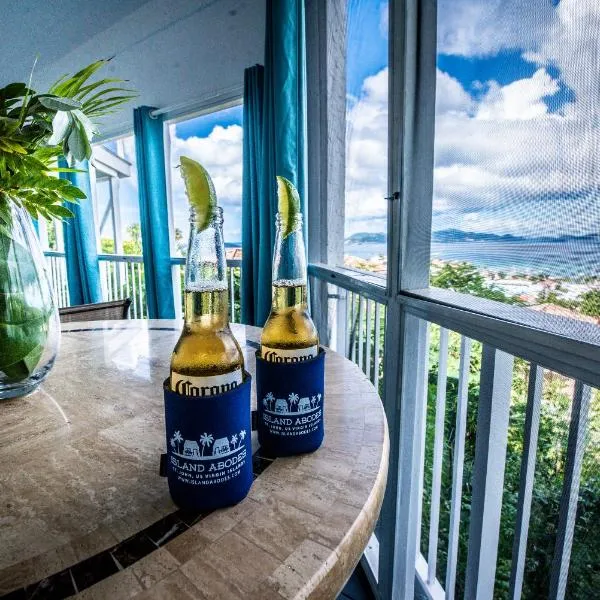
[466, 375]
[234, 284]
[122, 276]
[360, 307]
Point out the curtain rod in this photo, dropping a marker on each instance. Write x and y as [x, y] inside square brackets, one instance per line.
[230, 96]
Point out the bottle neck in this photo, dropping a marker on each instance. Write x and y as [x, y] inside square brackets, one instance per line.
[206, 310]
[289, 297]
[289, 257]
[206, 296]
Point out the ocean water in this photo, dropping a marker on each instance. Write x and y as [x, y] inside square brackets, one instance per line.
[567, 259]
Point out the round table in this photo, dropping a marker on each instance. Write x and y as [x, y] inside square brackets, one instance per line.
[83, 507]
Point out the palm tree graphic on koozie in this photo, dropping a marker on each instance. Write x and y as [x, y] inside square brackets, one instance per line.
[234, 440]
[293, 400]
[313, 401]
[206, 439]
[176, 439]
[242, 436]
[268, 401]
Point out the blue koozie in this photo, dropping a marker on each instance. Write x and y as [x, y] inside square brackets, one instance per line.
[290, 400]
[209, 448]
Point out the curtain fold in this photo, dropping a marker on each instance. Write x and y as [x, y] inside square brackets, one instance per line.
[154, 217]
[274, 144]
[83, 271]
[253, 270]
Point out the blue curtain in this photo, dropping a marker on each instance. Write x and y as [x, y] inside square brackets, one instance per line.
[83, 272]
[256, 257]
[149, 150]
[279, 149]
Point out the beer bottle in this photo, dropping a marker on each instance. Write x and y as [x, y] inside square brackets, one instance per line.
[207, 359]
[289, 335]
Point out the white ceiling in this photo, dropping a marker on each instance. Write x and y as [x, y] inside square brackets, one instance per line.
[178, 52]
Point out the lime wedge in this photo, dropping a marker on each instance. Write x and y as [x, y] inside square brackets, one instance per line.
[288, 204]
[200, 191]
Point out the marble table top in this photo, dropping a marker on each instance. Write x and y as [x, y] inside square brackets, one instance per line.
[83, 508]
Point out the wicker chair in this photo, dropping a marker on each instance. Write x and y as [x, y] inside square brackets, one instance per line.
[100, 311]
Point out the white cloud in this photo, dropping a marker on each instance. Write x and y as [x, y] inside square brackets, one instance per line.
[366, 157]
[220, 152]
[516, 166]
[450, 96]
[503, 163]
[521, 99]
[484, 27]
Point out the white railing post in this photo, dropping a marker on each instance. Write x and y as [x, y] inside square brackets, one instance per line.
[438, 449]
[177, 294]
[460, 432]
[530, 440]
[341, 319]
[406, 412]
[488, 472]
[570, 492]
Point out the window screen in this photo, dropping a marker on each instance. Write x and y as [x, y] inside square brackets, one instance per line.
[516, 208]
[365, 244]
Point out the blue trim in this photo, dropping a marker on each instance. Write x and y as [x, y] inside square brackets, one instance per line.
[154, 217]
[83, 270]
[274, 144]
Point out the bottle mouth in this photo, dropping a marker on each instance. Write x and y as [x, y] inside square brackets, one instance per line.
[295, 220]
[215, 219]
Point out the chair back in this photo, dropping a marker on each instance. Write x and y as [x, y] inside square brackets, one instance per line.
[99, 311]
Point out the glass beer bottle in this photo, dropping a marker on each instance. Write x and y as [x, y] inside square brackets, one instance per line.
[289, 335]
[207, 359]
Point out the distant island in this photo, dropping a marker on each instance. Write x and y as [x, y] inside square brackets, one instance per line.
[366, 238]
[457, 235]
[446, 236]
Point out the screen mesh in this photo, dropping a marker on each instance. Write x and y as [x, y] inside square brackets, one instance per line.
[516, 209]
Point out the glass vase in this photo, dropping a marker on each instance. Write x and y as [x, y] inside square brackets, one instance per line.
[29, 323]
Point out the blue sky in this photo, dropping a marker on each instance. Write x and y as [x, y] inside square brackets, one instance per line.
[202, 127]
[515, 142]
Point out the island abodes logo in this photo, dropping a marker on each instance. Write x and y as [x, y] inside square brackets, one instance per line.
[293, 405]
[207, 447]
[208, 460]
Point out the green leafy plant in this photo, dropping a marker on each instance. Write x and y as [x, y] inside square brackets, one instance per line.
[36, 130]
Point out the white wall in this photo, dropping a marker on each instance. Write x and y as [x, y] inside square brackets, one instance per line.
[172, 52]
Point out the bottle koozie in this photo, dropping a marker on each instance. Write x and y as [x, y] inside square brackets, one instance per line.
[209, 448]
[290, 398]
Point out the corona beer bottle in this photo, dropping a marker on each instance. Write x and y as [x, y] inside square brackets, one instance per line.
[207, 359]
[289, 335]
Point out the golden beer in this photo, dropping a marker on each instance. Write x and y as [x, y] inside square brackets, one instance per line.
[289, 326]
[207, 359]
[289, 335]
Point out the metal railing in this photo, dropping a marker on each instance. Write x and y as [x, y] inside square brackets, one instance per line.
[122, 276]
[57, 271]
[465, 372]
[234, 271]
[361, 306]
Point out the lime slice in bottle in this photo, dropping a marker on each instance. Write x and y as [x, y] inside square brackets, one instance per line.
[288, 204]
[200, 191]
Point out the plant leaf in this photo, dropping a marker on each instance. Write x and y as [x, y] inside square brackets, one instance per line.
[56, 103]
[89, 128]
[78, 143]
[60, 128]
